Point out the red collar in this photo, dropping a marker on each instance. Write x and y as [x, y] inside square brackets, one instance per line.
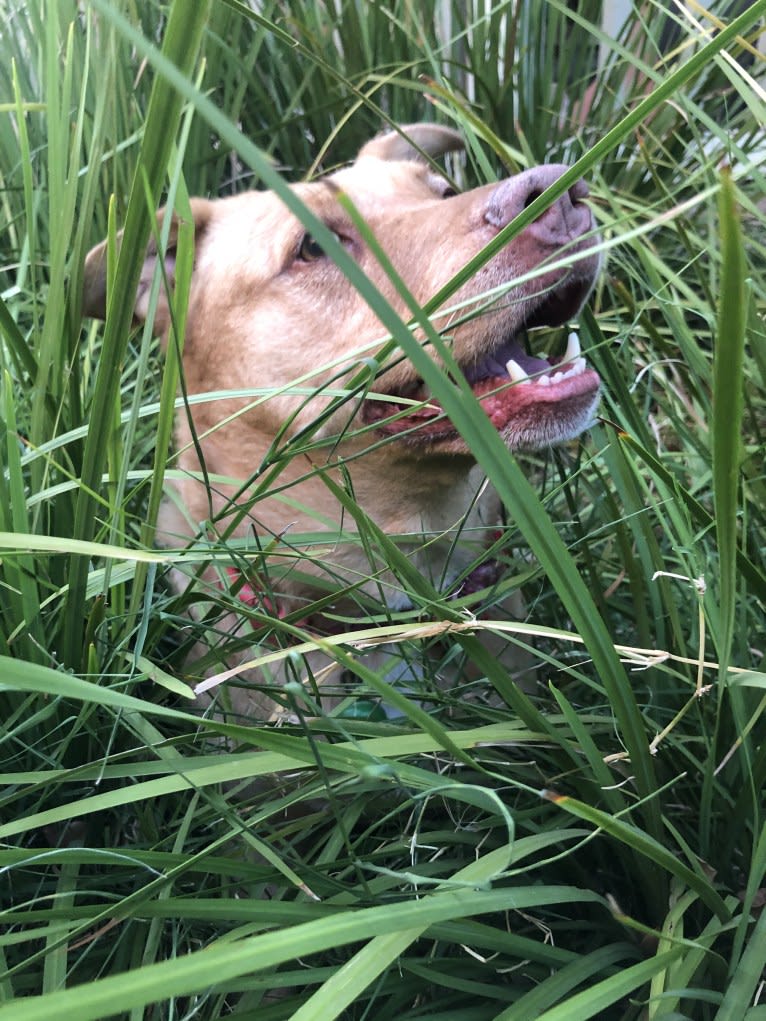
[250, 596]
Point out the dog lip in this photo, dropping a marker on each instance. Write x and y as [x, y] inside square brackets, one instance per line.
[558, 391]
[502, 399]
[559, 384]
[545, 406]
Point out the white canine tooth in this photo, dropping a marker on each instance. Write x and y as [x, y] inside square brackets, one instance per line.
[515, 371]
[544, 381]
[573, 348]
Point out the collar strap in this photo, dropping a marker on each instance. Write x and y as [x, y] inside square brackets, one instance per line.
[251, 596]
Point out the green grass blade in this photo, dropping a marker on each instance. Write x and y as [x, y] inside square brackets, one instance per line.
[216, 964]
[576, 973]
[182, 39]
[25, 625]
[592, 1002]
[728, 403]
[650, 848]
[747, 976]
[365, 966]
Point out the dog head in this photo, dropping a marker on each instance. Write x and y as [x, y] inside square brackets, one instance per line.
[268, 307]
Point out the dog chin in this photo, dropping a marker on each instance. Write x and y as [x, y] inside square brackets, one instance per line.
[541, 429]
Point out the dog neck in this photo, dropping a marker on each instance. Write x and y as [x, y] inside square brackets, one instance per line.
[433, 508]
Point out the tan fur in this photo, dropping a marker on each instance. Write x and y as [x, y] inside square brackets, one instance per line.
[261, 316]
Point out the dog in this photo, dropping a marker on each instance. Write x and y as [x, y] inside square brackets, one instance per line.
[268, 307]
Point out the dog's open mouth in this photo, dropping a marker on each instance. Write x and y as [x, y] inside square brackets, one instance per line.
[533, 401]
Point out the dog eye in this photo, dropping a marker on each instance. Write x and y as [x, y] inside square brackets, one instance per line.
[448, 192]
[310, 250]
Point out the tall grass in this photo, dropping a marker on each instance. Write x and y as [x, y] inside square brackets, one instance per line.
[591, 846]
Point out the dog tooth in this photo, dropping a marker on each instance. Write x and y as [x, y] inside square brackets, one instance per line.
[544, 381]
[573, 348]
[576, 368]
[515, 371]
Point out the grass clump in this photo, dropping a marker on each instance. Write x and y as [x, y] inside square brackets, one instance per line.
[594, 847]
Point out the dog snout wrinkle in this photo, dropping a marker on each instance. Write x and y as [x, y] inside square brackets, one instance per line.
[566, 220]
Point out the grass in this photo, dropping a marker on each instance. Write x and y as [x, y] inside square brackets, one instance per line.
[592, 848]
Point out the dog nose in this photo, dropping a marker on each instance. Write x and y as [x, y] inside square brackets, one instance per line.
[565, 220]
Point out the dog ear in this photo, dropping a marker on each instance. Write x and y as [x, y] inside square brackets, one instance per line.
[94, 273]
[431, 139]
